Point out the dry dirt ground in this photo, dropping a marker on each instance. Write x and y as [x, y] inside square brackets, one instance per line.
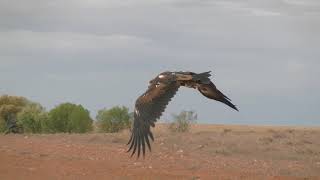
[206, 152]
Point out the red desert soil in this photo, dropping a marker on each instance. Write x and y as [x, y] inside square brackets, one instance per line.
[207, 152]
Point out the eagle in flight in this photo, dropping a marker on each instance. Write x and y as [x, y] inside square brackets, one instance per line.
[151, 104]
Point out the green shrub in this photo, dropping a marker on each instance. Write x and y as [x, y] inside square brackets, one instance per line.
[113, 120]
[80, 121]
[182, 121]
[32, 118]
[69, 118]
[2, 125]
[9, 107]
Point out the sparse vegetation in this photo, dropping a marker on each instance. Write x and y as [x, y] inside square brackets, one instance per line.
[204, 149]
[182, 121]
[113, 120]
[266, 140]
[30, 117]
[279, 135]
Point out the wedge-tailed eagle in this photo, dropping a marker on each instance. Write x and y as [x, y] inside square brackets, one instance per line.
[150, 105]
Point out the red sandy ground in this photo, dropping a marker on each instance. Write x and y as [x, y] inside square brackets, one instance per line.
[207, 152]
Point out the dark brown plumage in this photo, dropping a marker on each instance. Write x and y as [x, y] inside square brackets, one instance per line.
[150, 105]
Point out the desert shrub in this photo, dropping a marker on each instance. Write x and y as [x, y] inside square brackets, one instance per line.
[80, 121]
[32, 118]
[279, 135]
[68, 117]
[10, 106]
[226, 130]
[2, 125]
[131, 120]
[113, 120]
[266, 140]
[183, 121]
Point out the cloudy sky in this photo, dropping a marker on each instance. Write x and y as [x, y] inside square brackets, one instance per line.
[264, 54]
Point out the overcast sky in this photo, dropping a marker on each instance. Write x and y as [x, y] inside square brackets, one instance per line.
[264, 54]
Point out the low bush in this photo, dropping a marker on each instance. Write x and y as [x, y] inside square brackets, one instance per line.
[183, 121]
[113, 120]
[68, 117]
[32, 118]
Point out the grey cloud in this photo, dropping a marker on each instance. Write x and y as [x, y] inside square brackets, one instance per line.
[22, 41]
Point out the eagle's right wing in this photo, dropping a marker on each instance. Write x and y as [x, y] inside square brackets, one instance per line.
[203, 83]
[211, 92]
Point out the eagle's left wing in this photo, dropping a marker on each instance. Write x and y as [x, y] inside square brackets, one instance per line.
[148, 109]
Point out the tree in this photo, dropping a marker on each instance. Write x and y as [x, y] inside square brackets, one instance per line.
[2, 125]
[32, 118]
[68, 117]
[113, 120]
[10, 106]
[182, 121]
[80, 121]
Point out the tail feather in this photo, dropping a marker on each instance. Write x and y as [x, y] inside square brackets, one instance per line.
[202, 77]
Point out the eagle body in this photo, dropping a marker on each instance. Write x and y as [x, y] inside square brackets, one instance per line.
[151, 104]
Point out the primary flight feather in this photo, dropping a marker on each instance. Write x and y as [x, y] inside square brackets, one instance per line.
[151, 104]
